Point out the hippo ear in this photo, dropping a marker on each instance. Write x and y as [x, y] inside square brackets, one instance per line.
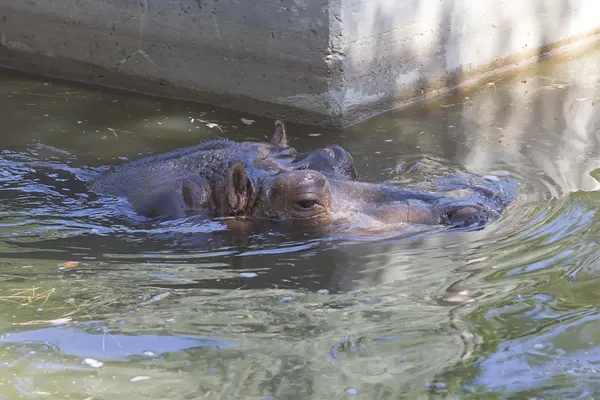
[280, 137]
[238, 188]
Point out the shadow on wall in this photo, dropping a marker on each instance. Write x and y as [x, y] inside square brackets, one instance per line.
[397, 51]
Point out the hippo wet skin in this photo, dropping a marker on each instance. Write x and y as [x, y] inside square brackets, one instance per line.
[257, 180]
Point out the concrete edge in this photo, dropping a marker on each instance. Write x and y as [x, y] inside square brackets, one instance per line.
[83, 73]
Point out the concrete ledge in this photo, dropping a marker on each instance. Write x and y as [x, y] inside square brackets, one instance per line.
[325, 62]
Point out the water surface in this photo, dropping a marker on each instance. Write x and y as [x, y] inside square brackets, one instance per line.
[192, 310]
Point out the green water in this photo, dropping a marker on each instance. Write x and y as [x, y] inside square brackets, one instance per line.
[184, 310]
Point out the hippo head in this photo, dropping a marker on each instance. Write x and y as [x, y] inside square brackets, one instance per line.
[310, 197]
[288, 195]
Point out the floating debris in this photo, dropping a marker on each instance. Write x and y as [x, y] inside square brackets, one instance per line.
[476, 260]
[60, 321]
[500, 173]
[415, 167]
[155, 298]
[352, 392]
[114, 131]
[247, 121]
[93, 363]
[25, 297]
[248, 274]
[140, 378]
[491, 178]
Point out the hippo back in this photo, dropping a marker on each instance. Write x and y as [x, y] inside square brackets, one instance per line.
[141, 178]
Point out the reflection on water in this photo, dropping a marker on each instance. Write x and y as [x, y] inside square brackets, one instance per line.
[105, 346]
[194, 309]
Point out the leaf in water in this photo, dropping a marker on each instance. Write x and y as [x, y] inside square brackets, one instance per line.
[247, 121]
[70, 264]
[596, 174]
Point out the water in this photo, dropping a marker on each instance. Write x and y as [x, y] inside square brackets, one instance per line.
[97, 304]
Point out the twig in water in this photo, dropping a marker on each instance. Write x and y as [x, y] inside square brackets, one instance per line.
[114, 131]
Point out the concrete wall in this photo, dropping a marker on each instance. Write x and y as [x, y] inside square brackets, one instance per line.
[395, 50]
[325, 62]
[217, 51]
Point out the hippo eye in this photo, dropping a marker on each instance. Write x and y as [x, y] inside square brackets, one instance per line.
[305, 205]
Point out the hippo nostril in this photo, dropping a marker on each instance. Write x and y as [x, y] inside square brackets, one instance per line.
[464, 215]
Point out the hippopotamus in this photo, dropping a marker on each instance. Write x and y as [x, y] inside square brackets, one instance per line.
[258, 180]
